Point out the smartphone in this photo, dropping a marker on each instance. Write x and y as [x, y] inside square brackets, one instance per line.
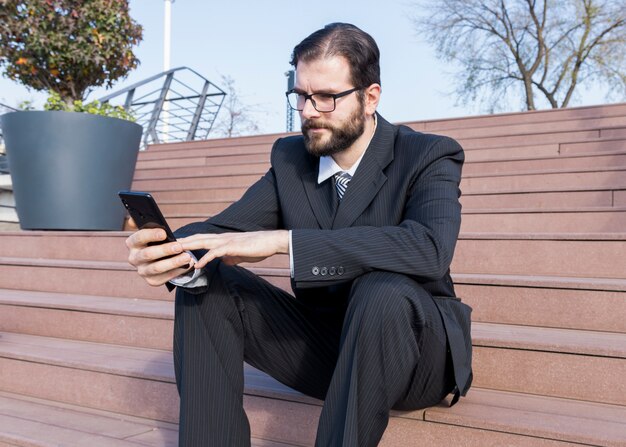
[146, 213]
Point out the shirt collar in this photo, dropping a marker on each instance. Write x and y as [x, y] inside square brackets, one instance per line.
[328, 167]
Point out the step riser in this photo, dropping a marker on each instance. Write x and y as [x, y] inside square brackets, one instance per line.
[194, 195]
[528, 140]
[58, 246]
[203, 171]
[229, 159]
[114, 283]
[127, 395]
[541, 200]
[586, 259]
[236, 181]
[574, 222]
[557, 308]
[222, 142]
[580, 181]
[554, 116]
[557, 164]
[589, 378]
[567, 149]
[602, 259]
[207, 209]
[86, 326]
[199, 150]
[533, 129]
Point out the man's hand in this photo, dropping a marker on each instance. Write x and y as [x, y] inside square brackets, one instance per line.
[148, 260]
[235, 248]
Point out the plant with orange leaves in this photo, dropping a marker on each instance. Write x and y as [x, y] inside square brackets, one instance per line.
[67, 46]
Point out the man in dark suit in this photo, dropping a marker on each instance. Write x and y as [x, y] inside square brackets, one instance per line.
[369, 215]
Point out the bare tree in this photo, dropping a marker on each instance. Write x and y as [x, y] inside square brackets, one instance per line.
[236, 118]
[538, 49]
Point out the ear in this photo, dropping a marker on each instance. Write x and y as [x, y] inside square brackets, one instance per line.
[372, 98]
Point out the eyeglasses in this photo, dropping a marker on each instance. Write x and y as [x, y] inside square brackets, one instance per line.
[322, 102]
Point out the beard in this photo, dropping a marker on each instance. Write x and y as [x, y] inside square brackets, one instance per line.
[341, 136]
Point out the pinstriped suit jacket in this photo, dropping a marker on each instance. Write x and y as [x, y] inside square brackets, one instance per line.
[400, 213]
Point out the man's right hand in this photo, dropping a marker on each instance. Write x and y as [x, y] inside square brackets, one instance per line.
[148, 260]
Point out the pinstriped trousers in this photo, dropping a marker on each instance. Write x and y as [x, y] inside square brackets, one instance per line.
[382, 346]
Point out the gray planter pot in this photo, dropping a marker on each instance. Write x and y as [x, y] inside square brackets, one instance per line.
[67, 168]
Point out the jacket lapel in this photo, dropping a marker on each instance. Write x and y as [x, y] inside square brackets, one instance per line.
[322, 198]
[369, 176]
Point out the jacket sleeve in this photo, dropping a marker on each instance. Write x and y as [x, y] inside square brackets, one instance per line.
[421, 245]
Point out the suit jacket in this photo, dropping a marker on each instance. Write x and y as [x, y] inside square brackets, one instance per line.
[400, 213]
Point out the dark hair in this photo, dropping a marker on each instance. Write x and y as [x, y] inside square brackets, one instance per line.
[343, 39]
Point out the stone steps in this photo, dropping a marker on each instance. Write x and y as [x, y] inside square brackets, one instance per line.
[504, 354]
[540, 259]
[99, 371]
[508, 159]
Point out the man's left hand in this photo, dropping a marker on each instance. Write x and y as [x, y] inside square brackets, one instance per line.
[235, 248]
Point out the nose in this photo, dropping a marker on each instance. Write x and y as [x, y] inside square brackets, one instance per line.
[309, 111]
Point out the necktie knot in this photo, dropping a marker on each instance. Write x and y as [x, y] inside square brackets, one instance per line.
[341, 183]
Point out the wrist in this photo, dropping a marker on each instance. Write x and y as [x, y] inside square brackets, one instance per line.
[282, 240]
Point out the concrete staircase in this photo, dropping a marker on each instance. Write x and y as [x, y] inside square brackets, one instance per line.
[85, 345]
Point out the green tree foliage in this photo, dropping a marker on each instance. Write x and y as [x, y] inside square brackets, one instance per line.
[540, 50]
[67, 46]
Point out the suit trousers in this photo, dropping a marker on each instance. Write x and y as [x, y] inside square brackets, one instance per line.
[380, 345]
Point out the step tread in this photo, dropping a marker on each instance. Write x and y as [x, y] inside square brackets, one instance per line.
[89, 303]
[137, 362]
[545, 417]
[537, 281]
[605, 344]
[48, 423]
[36, 422]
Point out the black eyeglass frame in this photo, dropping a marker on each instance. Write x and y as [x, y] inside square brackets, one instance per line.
[335, 97]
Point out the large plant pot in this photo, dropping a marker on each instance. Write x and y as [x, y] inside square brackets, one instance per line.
[67, 168]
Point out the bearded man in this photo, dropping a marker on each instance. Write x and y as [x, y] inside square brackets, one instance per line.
[369, 215]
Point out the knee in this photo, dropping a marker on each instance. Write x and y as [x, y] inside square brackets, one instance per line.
[384, 298]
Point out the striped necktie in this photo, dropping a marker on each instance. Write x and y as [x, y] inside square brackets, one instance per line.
[341, 183]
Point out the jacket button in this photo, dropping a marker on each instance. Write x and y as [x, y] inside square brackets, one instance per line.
[323, 271]
[340, 270]
[332, 271]
[315, 270]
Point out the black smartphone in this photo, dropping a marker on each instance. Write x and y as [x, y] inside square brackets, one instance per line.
[146, 213]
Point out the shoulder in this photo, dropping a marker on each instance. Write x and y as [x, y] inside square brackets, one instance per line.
[412, 143]
[290, 150]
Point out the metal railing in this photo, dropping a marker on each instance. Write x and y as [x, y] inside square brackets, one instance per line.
[176, 105]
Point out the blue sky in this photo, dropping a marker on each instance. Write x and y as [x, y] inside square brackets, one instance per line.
[251, 41]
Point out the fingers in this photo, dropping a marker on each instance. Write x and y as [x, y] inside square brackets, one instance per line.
[131, 224]
[159, 280]
[164, 266]
[153, 253]
[142, 238]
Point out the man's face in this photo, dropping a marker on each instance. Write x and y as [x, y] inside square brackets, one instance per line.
[328, 133]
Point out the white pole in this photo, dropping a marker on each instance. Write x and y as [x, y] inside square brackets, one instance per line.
[167, 35]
